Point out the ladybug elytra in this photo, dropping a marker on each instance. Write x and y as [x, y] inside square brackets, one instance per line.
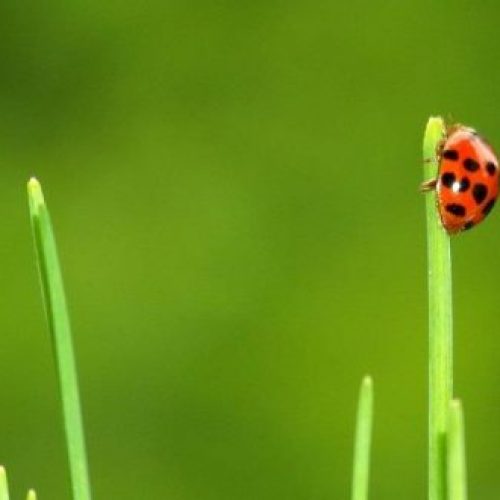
[467, 182]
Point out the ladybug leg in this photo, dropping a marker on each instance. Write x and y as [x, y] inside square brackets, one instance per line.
[439, 152]
[440, 147]
[427, 186]
[430, 185]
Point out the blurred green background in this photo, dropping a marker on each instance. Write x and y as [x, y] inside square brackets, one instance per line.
[234, 190]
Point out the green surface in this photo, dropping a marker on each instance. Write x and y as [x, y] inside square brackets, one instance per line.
[234, 189]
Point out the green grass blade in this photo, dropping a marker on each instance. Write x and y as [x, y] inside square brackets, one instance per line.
[31, 495]
[362, 441]
[59, 326]
[457, 474]
[4, 488]
[440, 321]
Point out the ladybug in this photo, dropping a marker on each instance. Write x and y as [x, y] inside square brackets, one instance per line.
[467, 182]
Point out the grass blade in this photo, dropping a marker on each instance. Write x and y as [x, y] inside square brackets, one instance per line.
[457, 474]
[4, 488]
[440, 320]
[59, 326]
[362, 441]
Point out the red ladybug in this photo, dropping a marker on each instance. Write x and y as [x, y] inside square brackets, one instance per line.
[467, 182]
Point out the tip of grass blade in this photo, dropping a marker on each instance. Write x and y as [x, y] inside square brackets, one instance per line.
[362, 440]
[35, 195]
[435, 122]
[35, 189]
[434, 132]
[457, 473]
[31, 495]
[435, 127]
[4, 489]
[367, 383]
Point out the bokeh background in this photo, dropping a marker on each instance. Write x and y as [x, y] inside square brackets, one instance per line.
[234, 190]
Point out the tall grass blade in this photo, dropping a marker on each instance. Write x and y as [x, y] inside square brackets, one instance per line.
[362, 441]
[59, 326]
[457, 473]
[440, 320]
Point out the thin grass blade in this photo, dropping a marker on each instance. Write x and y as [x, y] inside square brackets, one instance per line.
[457, 473]
[31, 495]
[440, 320]
[59, 326]
[362, 441]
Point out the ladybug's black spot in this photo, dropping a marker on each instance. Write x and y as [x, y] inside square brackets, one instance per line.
[450, 154]
[464, 184]
[487, 208]
[471, 165]
[479, 192]
[491, 168]
[468, 225]
[448, 179]
[455, 209]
